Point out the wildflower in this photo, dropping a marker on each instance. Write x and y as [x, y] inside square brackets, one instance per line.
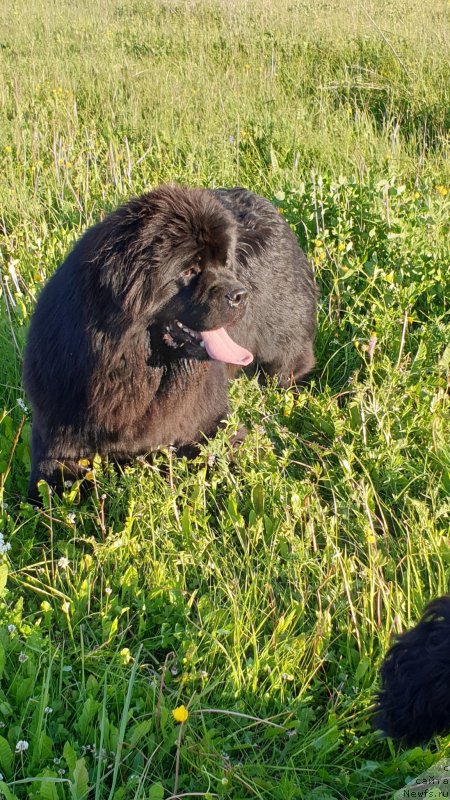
[318, 242]
[180, 714]
[83, 462]
[22, 405]
[442, 190]
[281, 211]
[416, 195]
[11, 628]
[61, 772]
[8, 148]
[21, 746]
[71, 518]
[4, 546]
[65, 607]
[108, 590]
[48, 710]
[68, 484]
[56, 760]
[90, 475]
[341, 247]
[63, 562]
[23, 657]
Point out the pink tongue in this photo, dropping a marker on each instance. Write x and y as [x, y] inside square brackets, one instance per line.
[220, 347]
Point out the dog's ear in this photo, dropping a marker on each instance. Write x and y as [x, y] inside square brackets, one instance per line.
[119, 261]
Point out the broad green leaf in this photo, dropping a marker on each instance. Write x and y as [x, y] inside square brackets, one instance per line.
[89, 711]
[156, 792]
[5, 791]
[139, 731]
[6, 756]
[80, 780]
[70, 757]
[47, 789]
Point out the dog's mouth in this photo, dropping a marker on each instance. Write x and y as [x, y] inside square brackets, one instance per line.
[218, 345]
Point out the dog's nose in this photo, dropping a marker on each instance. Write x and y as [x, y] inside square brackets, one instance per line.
[236, 296]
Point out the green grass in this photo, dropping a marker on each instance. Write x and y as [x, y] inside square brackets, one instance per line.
[260, 588]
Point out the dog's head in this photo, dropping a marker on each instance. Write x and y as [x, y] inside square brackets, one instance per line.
[168, 259]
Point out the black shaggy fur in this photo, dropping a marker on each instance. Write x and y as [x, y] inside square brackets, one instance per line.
[414, 701]
[108, 371]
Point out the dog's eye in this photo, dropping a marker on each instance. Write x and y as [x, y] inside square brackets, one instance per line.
[190, 271]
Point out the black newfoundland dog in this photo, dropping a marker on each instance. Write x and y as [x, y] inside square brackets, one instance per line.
[413, 704]
[135, 336]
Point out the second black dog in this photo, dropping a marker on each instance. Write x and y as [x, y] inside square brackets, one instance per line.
[414, 701]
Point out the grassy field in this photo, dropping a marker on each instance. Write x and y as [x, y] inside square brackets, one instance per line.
[258, 589]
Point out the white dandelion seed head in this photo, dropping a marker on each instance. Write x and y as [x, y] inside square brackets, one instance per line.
[11, 628]
[23, 657]
[63, 562]
[21, 746]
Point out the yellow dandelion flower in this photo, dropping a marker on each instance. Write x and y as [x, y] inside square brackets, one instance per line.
[90, 475]
[180, 714]
[84, 462]
[341, 247]
[318, 243]
[442, 190]
[416, 195]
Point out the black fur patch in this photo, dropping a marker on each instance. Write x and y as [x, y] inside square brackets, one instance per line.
[414, 700]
